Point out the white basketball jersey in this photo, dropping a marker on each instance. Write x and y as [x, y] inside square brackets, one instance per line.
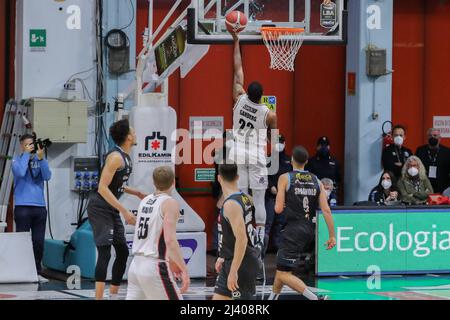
[250, 125]
[148, 235]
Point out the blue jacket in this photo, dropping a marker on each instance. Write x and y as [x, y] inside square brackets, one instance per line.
[28, 187]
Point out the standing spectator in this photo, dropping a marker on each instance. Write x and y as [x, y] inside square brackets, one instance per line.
[386, 191]
[323, 164]
[275, 223]
[436, 159]
[30, 170]
[329, 189]
[414, 185]
[395, 155]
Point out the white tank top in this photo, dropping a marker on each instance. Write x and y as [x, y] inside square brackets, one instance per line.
[250, 126]
[149, 235]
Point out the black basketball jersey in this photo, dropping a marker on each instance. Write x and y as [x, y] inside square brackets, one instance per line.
[119, 180]
[226, 235]
[121, 177]
[302, 196]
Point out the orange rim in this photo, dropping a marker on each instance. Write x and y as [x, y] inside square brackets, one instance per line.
[282, 30]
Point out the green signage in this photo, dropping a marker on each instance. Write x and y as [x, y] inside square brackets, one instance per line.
[38, 38]
[270, 102]
[205, 175]
[170, 50]
[396, 241]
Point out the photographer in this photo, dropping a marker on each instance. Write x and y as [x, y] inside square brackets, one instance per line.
[30, 170]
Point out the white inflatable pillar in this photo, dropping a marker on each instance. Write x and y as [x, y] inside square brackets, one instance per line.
[155, 127]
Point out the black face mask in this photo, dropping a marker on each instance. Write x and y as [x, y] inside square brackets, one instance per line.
[324, 152]
[433, 142]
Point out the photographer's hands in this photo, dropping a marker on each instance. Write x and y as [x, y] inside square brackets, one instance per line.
[40, 153]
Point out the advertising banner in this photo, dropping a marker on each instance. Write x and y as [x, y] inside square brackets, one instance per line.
[403, 241]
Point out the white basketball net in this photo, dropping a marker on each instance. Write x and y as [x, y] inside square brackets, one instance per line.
[283, 45]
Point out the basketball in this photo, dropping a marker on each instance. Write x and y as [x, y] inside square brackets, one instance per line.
[236, 21]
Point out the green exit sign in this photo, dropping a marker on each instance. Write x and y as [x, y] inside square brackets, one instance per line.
[205, 175]
[38, 38]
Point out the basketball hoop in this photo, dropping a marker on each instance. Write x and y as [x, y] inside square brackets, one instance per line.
[283, 45]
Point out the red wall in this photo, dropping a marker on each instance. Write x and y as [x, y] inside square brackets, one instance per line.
[3, 61]
[421, 86]
[7, 38]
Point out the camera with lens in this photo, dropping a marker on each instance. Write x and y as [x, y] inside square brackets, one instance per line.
[40, 144]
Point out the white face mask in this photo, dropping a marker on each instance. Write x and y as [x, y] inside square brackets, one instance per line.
[413, 171]
[398, 140]
[386, 184]
[279, 147]
[328, 192]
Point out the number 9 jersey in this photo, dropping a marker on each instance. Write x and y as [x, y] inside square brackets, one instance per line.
[148, 235]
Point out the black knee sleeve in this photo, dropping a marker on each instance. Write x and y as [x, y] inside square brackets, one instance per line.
[120, 264]
[104, 255]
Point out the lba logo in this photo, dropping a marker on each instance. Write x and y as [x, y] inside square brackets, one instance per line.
[156, 149]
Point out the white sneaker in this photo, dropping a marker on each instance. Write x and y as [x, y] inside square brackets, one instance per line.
[42, 279]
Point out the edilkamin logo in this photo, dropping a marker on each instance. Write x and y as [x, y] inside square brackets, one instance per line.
[153, 142]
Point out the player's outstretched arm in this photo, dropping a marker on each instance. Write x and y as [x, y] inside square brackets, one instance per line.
[281, 195]
[135, 192]
[113, 162]
[238, 80]
[331, 243]
[171, 212]
[234, 213]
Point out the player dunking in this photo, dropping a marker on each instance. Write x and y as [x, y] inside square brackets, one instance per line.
[303, 194]
[156, 251]
[238, 258]
[251, 122]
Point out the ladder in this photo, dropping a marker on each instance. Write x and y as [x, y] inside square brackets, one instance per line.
[13, 127]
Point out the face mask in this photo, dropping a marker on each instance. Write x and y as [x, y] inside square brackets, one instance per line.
[413, 171]
[386, 184]
[328, 192]
[324, 152]
[279, 147]
[433, 141]
[398, 140]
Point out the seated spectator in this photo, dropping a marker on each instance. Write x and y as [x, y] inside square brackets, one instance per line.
[436, 159]
[414, 185]
[394, 156]
[323, 164]
[331, 194]
[386, 192]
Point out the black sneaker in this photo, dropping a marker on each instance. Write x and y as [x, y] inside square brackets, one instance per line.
[322, 297]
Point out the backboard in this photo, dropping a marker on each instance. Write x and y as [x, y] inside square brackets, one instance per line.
[323, 24]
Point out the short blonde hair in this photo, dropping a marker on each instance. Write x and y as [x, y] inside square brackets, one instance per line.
[163, 178]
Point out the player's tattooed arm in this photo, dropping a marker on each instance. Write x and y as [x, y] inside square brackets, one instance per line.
[281, 195]
[233, 212]
[331, 243]
[272, 125]
[238, 80]
[113, 163]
